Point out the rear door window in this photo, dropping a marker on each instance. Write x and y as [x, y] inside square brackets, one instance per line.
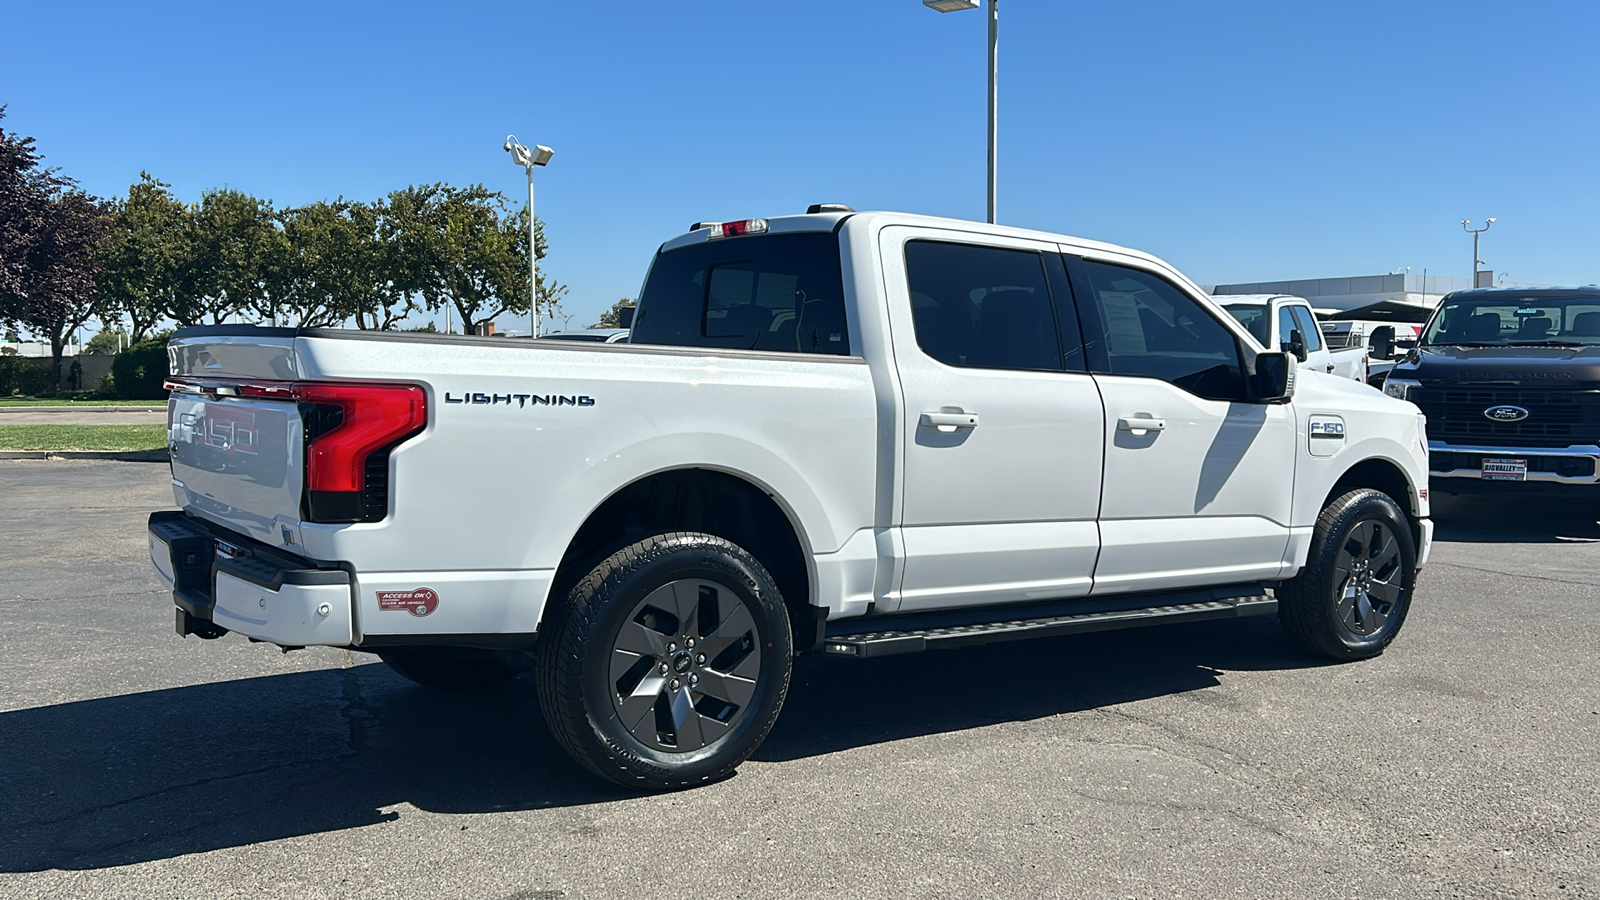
[983, 307]
[777, 292]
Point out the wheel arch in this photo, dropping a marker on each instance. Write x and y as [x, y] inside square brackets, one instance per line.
[711, 500]
[1387, 477]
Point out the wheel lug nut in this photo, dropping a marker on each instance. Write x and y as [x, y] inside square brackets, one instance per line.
[689, 643]
[663, 668]
[694, 679]
[701, 659]
[672, 648]
[676, 684]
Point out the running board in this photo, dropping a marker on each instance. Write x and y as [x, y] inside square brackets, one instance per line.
[1189, 608]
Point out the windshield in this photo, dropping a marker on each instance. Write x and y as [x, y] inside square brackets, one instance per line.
[1501, 321]
[1253, 318]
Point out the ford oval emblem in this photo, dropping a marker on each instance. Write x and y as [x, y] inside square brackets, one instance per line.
[1505, 414]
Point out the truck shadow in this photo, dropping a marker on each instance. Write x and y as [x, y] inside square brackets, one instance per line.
[1476, 519]
[161, 774]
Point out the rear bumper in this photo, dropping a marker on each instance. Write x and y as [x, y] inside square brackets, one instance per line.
[224, 582]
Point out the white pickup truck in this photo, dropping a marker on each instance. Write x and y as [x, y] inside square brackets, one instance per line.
[852, 433]
[1288, 323]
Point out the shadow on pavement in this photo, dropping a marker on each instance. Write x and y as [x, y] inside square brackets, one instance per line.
[160, 774]
[1482, 519]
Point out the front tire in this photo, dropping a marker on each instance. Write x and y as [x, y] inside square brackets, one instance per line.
[1352, 596]
[668, 664]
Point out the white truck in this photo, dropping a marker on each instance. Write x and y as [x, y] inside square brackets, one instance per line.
[1288, 323]
[850, 433]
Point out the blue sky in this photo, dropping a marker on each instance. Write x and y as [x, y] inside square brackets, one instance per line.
[1240, 141]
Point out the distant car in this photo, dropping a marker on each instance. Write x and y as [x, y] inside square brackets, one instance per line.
[597, 335]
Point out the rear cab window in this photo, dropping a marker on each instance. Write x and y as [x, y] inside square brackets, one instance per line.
[775, 292]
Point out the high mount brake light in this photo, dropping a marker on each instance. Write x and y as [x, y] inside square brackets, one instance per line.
[737, 229]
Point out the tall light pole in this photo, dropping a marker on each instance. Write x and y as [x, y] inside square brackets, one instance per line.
[1466, 225]
[946, 6]
[538, 156]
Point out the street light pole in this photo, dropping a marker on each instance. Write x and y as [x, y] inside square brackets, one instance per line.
[994, 101]
[1466, 226]
[946, 6]
[538, 156]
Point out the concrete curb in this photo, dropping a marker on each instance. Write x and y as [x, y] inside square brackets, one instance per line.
[123, 455]
[85, 409]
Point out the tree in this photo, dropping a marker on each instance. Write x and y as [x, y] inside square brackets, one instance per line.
[460, 246]
[50, 232]
[149, 259]
[237, 244]
[612, 318]
[334, 267]
[106, 342]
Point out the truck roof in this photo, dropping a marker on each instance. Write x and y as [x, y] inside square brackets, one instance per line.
[832, 221]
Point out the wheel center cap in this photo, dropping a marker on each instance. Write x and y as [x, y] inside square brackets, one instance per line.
[682, 662]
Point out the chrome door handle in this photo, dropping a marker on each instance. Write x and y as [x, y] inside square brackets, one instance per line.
[948, 420]
[1141, 423]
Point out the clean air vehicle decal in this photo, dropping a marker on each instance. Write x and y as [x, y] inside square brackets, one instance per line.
[418, 602]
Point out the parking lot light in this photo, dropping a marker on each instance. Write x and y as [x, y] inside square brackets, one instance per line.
[528, 159]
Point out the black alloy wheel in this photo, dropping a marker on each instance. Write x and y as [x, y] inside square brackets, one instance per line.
[1353, 595]
[667, 664]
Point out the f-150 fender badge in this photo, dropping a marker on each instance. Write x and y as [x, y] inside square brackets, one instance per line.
[418, 602]
[1326, 434]
[521, 400]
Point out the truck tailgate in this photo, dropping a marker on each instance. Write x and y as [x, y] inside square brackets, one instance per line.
[238, 462]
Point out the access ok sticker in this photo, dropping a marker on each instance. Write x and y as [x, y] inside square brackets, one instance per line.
[418, 602]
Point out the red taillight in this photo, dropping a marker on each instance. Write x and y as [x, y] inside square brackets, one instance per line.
[347, 424]
[374, 416]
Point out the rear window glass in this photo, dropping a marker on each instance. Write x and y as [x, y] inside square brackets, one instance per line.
[772, 292]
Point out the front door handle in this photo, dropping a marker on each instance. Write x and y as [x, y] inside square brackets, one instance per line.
[1331, 367]
[943, 420]
[1141, 423]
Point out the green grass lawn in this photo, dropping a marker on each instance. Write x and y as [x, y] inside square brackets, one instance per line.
[83, 437]
[75, 401]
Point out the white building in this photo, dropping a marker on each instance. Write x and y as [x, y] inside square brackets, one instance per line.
[1344, 294]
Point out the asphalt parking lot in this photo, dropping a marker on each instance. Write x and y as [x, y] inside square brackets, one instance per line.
[1209, 760]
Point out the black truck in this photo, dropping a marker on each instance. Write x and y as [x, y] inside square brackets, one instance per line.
[1509, 379]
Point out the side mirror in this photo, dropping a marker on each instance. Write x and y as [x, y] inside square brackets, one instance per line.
[1296, 344]
[1382, 343]
[1272, 377]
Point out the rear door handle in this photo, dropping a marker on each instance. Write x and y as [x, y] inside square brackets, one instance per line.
[948, 420]
[1141, 423]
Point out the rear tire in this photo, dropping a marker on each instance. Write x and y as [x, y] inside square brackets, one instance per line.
[668, 663]
[1352, 596]
[449, 669]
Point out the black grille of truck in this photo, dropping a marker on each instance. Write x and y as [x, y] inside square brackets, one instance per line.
[1556, 417]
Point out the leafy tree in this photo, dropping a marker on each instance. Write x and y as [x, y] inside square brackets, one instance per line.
[334, 268]
[462, 247]
[237, 247]
[49, 236]
[612, 318]
[149, 259]
[107, 342]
